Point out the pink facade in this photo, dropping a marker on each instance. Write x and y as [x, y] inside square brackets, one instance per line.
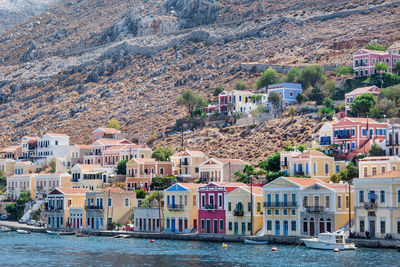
[223, 102]
[211, 109]
[109, 133]
[12, 152]
[101, 145]
[364, 61]
[353, 135]
[349, 97]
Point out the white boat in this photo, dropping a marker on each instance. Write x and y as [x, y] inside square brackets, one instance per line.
[255, 242]
[4, 229]
[329, 241]
[52, 232]
[23, 232]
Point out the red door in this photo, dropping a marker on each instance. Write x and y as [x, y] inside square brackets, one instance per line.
[312, 232]
[322, 227]
[195, 224]
[180, 225]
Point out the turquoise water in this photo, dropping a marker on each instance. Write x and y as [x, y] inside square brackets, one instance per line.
[46, 250]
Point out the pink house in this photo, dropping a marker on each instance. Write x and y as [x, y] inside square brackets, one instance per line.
[12, 152]
[364, 60]
[99, 133]
[101, 145]
[349, 97]
[212, 206]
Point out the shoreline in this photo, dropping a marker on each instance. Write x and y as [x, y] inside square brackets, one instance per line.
[286, 240]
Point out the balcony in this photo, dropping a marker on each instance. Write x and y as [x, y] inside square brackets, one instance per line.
[361, 65]
[238, 212]
[299, 173]
[94, 207]
[280, 204]
[370, 205]
[325, 143]
[209, 207]
[390, 143]
[343, 136]
[50, 208]
[175, 207]
[185, 163]
[11, 188]
[314, 208]
[39, 188]
[74, 180]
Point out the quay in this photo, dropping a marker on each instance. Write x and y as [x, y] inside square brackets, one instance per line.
[272, 239]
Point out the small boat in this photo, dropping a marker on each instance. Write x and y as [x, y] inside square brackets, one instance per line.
[120, 236]
[52, 232]
[255, 242]
[66, 233]
[81, 235]
[329, 241]
[23, 232]
[4, 229]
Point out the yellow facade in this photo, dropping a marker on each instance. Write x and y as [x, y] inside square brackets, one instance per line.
[181, 207]
[371, 166]
[238, 212]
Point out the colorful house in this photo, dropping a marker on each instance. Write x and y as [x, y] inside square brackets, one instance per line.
[45, 183]
[141, 171]
[77, 153]
[355, 135]
[392, 147]
[16, 184]
[12, 152]
[240, 219]
[181, 209]
[287, 91]
[53, 145]
[114, 154]
[107, 206]
[377, 205]
[101, 145]
[350, 97]
[90, 176]
[220, 170]
[66, 208]
[210, 109]
[29, 145]
[109, 133]
[7, 166]
[372, 166]
[364, 60]
[148, 219]
[325, 135]
[212, 206]
[239, 101]
[186, 165]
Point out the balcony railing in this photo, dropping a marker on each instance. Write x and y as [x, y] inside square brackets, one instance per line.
[185, 163]
[39, 188]
[314, 208]
[370, 206]
[280, 204]
[175, 207]
[325, 143]
[50, 208]
[299, 173]
[361, 65]
[343, 136]
[390, 143]
[94, 207]
[209, 207]
[238, 212]
[11, 188]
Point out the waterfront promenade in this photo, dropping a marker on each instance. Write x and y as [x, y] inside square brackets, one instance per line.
[288, 240]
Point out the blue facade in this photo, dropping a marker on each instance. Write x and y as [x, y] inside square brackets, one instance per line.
[288, 92]
[172, 223]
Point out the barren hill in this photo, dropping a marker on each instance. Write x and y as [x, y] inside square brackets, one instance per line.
[74, 67]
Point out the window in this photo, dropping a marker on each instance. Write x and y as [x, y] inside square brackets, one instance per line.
[305, 226]
[364, 132]
[56, 143]
[293, 212]
[352, 132]
[202, 225]
[383, 227]
[326, 168]
[269, 212]
[229, 206]
[168, 223]
[110, 202]
[269, 225]
[258, 206]
[293, 225]
[185, 200]
[362, 226]
[285, 212]
[327, 202]
[277, 212]
[339, 202]
[248, 206]
[365, 171]
[398, 196]
[361, 196]
[221, 225]
[203, 200]
[347, 202]
[305, 201]
[194, 200]
[315, 168]
[126, 202]
[219, 200]
[337, 168]
[249, 226]
[196, 170]
[230, 226]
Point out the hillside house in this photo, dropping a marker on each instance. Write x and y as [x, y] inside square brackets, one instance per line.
[287, 91]
[29, 145]
[364, 60]
[350, 97]
[186, 165]
[101, 145]
[53, 145]
[239, 101]
[114, 154]
[12, 152]
[109, 133]
[220, 170]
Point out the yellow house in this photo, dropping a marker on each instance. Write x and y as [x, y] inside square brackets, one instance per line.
[371, 166]
[66, 208]
[377, 205]
[314, 164]
[107, 206]
[181, 209]
[238, 212]
[90, 176]
[7, 166]
[281, 205]
[325, 136]
[185, 165]
[16, 184]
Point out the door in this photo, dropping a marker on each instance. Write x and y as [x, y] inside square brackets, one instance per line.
[312, 230]
[195, 224]
[243, 228]
[173, 225]
[321, 227]
[372, 228]
[215, 226]
[277, 228]
[208, 226]
[173, 202]
[285, 227]
[180, 225]
[236, 228]
[97, 223]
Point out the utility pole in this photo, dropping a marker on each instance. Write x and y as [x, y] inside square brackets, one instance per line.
[251, 200]
[182, 137]
[349, 207]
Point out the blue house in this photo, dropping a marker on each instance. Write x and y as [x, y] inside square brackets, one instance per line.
[288, 92]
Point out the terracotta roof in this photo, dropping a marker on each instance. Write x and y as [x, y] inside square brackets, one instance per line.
[362, 120]
[70, 190]
[32, 137]
[109, 141]
[361, 90]
[108, 130]
[113, 189]
[89, 166]
[257, 190]
[311, 153]
[11, 148]
[337, 186]
[380, 158]
[83, 146]
[190, 185]
[57, 134]
[137, 180]
[144, 160]
[231, 161]
[376, 51]
[228, 184]
[190, 152]
[303, 182]
[133, 146]
[391, 174]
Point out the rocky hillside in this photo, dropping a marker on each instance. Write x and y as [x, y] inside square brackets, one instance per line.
[72, 69]
[14, 12]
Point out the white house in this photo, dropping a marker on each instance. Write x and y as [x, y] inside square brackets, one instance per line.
[53, 145]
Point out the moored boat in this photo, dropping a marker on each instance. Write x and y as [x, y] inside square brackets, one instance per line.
[329, 241]
[52, 232]
[81, 235]
[4, 229]
[255, 242]
[66, 233]
[23, 231]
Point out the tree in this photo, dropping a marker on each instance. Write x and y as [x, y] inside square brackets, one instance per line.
[288, 146]
[312, 75]
[376, 150]
[163, 153]
[381, 67]
[275, 99]
[241, 85]
[191, 100]
[268, 77]
[16, 210]
[350, 172]
[292, 110]
[245, 176]
[113, 123]
[362, 104]
[161, 183]
[218, 89]
[293, 75]
[316, 95]
[329, 88]
[375, 46]
[53, 165]
[391, 93]
[344, 70]
[301, 148]
[329, 103]
[272, 164]
[388, 107]
[121, 167]
[300, 98]
[140, 193]
[397, 67]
